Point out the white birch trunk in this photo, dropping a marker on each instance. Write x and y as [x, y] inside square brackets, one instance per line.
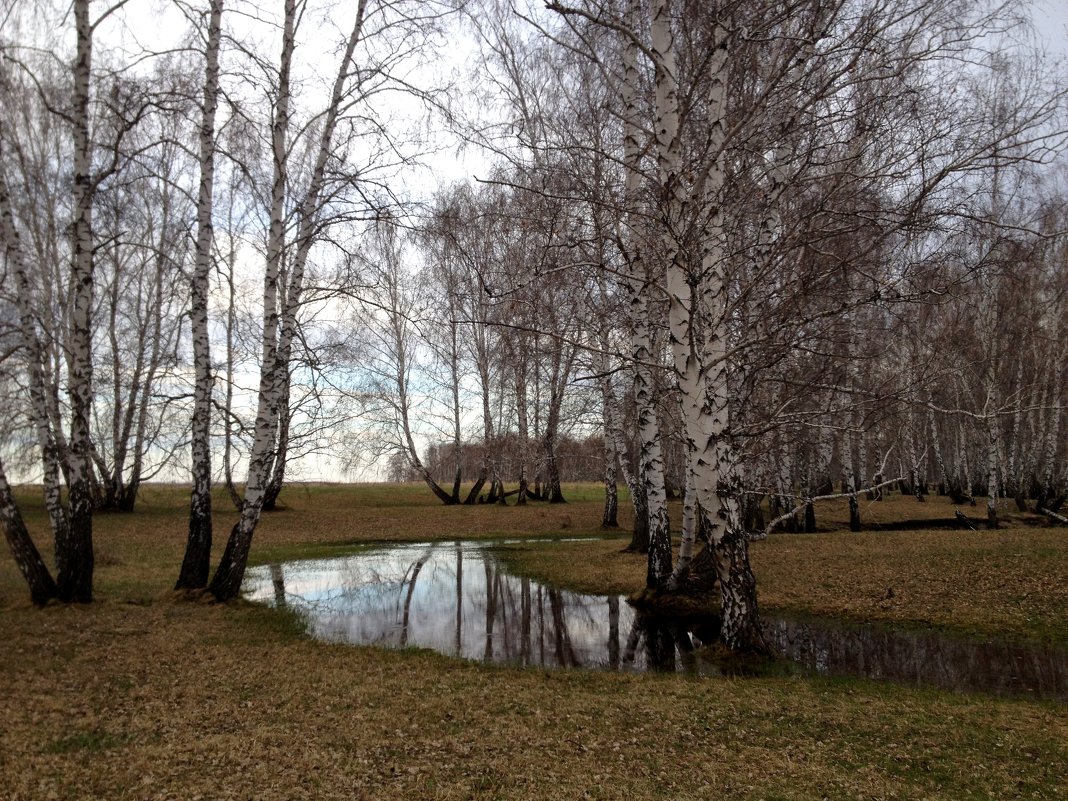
[987, 324]
[27, 557]
[698, 306]
[196, 563]
[689, 533]
[307, 221]
[226, 583]
[610, 516]
[279, 330]
[31, 344]
[1053, 428]
[74, 559]
[651, 459]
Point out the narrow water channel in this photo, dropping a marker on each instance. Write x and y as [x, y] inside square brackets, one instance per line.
[455, 598]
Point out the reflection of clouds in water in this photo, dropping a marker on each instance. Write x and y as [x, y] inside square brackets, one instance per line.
[456, 599]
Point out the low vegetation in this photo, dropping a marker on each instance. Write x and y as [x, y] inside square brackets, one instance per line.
[141, 696]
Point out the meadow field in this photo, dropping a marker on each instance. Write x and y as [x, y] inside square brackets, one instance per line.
[142, 695]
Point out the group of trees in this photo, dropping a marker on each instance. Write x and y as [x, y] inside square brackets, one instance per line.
[147, 183]
[746, 253]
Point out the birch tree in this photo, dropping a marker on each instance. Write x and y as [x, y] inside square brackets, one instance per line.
[91, 121]
[197, 560]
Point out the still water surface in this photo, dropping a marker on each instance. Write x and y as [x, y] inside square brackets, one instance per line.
[457, 599]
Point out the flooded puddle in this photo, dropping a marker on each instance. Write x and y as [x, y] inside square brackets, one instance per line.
[457, 599]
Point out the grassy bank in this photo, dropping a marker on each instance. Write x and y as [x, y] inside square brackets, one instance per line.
[139, 697]
[1008, 584]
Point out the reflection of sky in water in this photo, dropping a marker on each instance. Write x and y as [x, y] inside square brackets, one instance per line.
[452, 598]
[455, 598]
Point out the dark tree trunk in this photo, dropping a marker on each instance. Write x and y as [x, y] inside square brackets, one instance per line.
[476, 488]
[196, 564]
[810, 517]
[457, 479]
[752, 513]
[270, 495]
[957, 495]
[279, 583]
[613, 632]
[854, 513]
[277, 473]
[226, 584]
[552, 493]
[523, 492]
[741, 625]
[127, 499]
[639, 541]
[659, 643]
[74, 557]
[27, 557]
[610, 517]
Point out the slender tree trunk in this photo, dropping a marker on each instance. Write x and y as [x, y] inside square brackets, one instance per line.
[635, 483]
[520, 367]
[196, 563]
[228, 435]
[1053, 427]
[651, 461]
[128, 496]
[74, 557]
[639, 540]
[281, 454]
[553, 491]
[610, 516]
[307, 223]
[480, 482]
[689, 533]
[48, 437]
[226, 584]
[936, 446]
[850, 478]
[27, 557]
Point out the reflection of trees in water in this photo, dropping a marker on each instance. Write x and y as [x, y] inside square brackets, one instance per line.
[491, 609]
[924, 658]
[524, 621]
[529, 623]
[414, 570]
[667, 644]
[409, 596]
[565, 652]
[279, 583]
[613, 632]
[407, 599]
[459, 599]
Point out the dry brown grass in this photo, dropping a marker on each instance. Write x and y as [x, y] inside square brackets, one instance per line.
[1010, 584]
[167, 700]
[182, 702]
